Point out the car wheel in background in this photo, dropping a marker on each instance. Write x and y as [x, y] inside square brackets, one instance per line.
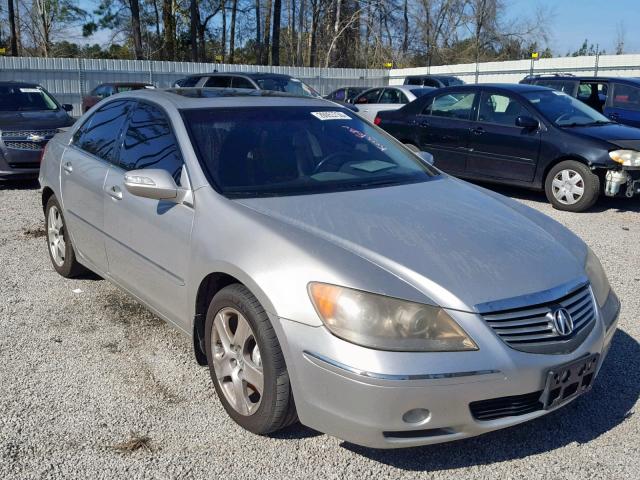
[59, 246]
[246, 362]
[572, 186]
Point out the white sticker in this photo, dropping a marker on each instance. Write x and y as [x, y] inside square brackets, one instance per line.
[331, 115]
[30, 90]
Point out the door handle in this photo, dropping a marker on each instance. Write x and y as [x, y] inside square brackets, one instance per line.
[67, 167]
[477, 130]
[115, 192]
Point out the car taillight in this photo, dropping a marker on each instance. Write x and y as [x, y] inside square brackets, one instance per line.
[377, 121]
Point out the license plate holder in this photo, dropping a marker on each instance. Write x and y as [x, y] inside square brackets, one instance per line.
[565, 382]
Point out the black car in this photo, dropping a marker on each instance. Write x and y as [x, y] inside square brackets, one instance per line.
[522, 135]
[29, 117]
[345, 94]
[616, 97]
[276, 82]
[435, 81]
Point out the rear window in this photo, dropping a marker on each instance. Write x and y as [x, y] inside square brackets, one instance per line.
[288, 85]
[626, 97]
[188, 82]
[451, 81]
[24, 98]
[250, 152]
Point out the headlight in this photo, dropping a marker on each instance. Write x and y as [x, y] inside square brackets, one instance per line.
[597, 277]
[387, 323]
[628, 158]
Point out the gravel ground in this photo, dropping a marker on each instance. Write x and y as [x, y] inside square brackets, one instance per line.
[94, 386]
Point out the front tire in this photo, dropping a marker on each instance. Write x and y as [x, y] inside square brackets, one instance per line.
[59, 246]
[246, 362]
[572, 186]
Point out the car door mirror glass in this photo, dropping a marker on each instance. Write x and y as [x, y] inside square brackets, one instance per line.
[153, 183]
[527, 122]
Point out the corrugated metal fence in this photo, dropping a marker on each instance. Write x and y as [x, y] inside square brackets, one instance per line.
[68, 79]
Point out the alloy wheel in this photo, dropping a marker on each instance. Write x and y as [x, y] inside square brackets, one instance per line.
[568, 187]
[55, 235]
[237, 361]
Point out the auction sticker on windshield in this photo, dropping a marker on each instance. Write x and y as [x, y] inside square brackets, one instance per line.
[331, 115]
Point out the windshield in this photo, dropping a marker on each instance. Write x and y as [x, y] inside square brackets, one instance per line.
[20, 98]
[451, 81]
[563, 110]
[288, 85]
[249, 152]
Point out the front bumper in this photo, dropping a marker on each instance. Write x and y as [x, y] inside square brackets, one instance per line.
[361, 395]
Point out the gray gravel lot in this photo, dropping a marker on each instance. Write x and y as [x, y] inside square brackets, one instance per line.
[94, 386]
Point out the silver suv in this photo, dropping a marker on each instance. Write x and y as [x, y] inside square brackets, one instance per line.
[311, 256]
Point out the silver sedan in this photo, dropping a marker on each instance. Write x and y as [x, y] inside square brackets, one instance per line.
[375, 100]
[310, 256]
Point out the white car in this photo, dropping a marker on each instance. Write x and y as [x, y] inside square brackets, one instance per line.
[375, 100]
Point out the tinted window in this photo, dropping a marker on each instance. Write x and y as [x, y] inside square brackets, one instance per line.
[391, 95]
[25, 98]
[500, 109]
[149, 142]
[453, 105]
[626, 97]
[288, 85]
[188, 82]
[451, 81]
[99, 133]
[413, 81]
[564, 110]
[369, 97]
[297, 151]
[353, 93]
[562, 86]
[338, 95]
[430, 83]
[219, 82]
[241, 82]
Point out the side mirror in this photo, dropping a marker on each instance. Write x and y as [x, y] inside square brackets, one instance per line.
[153, 183]
[67, 107]
[529, 123]
[426, 157]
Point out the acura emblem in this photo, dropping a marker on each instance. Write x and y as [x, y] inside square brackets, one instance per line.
[562, 321]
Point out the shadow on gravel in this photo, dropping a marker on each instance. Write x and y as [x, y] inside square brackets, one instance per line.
[609, 403]
[617, 204]
[19, 185]
[296, 431]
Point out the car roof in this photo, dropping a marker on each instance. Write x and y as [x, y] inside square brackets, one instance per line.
[12, 83]
[507, 87]
[124, 84]
[192, 98]
[428, 75]
[243, 74]
[634, 80]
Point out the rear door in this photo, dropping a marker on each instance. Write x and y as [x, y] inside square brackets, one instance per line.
[444, 129]
[390, 99]
[366, 101]
[623, 104]
[148, 240]
[497, 147]
[84, 169]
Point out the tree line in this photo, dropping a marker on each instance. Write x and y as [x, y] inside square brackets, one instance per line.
[325, 33]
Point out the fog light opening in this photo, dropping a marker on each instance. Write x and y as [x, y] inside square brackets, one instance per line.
[416, 415]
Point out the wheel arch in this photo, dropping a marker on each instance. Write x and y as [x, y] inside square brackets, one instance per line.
[562, 158]
[47, 193]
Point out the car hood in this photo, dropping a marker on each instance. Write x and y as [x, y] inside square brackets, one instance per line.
[34, 120]
[616, 134]
[459, 246]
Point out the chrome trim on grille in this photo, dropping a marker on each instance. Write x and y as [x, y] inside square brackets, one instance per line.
[531, 329]
[17, 134]
[25, 145]
[384, 376]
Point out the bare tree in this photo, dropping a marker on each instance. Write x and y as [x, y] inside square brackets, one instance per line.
[13, 42]
[621, 35]
[275, 48]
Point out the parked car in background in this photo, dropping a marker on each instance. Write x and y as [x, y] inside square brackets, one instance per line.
[435, 81]
[616, 97]
[29, 117]
[375, 100]
[345, 94]
[523, 135]
[251, 81]
[105, 90]
[397, 305]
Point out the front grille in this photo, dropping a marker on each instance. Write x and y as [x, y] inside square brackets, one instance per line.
[25, 145]
[25, 133]
[531, 329]
[495, 408]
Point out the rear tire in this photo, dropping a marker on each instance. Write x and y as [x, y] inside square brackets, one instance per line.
[246, 362]
[572, 186]
[59, 246]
